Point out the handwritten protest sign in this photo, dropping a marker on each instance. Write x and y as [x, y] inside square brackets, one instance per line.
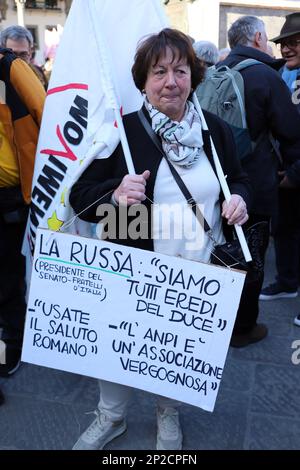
[130, 316]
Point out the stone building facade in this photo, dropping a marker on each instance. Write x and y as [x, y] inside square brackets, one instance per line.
[211, 19]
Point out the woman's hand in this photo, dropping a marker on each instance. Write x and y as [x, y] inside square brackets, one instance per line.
[235, 211]
[132, 189]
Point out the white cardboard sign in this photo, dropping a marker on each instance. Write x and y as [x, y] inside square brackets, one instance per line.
[143, 319]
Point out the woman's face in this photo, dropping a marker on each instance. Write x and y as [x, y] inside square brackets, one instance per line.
[168, 85]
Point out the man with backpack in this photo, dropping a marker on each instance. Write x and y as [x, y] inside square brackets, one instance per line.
[287, 233]
[269, 119]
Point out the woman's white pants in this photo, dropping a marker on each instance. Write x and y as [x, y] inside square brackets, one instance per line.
[114, 399]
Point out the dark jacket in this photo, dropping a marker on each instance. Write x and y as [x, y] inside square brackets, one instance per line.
[268, 108]
[103, 176]
[21, 115]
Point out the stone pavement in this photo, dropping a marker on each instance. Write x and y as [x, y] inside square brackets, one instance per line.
[258, 406]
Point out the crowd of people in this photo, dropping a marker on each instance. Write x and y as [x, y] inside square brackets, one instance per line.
[171, 152]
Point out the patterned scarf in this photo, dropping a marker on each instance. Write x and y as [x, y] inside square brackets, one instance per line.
[182, 141]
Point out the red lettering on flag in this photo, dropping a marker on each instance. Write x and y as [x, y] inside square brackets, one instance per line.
[68, 154]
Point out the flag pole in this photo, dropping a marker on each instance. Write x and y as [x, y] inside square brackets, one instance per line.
[108, 85]
[223, 183]
[160, 12]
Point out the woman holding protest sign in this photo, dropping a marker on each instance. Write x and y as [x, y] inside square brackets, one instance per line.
[166, 134]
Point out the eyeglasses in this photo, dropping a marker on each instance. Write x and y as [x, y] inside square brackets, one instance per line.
[290, 43]
[22, 55]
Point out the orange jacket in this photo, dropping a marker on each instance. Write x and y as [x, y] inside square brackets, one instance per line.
[22, 113]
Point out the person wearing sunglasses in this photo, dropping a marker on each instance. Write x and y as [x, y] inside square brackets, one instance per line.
[287, 229]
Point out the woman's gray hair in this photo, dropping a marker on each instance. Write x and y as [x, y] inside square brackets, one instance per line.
[16, 33]
[206, 51]
[243, 30]
[223, 53]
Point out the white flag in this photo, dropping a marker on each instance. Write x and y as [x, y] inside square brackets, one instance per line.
[96, 52]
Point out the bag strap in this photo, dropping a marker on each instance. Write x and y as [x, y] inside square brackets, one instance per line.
[246, 63]
[190, 200]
